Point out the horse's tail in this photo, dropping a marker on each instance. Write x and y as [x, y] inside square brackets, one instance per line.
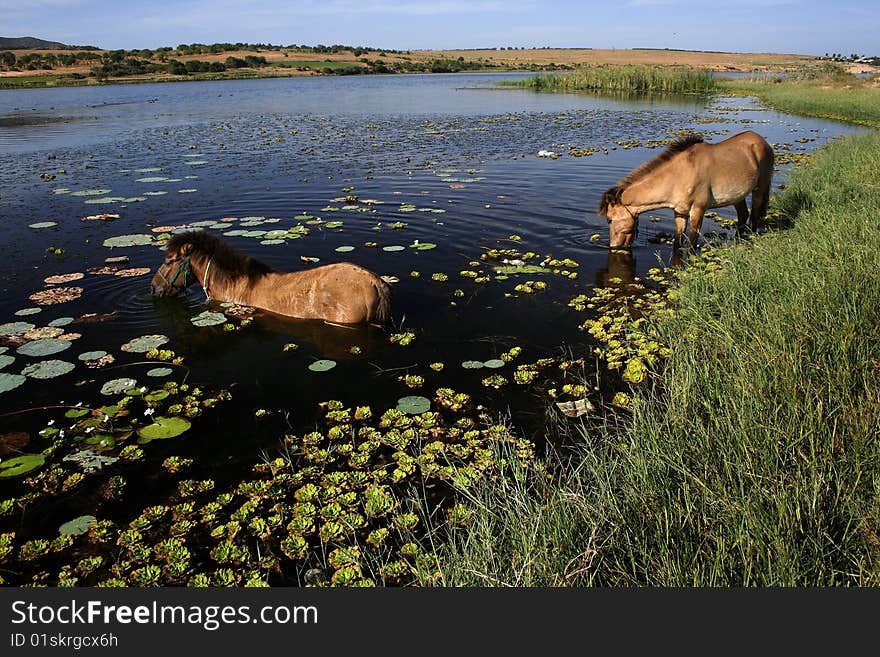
[383, 305]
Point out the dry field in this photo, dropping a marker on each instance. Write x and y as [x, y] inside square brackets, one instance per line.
[499, 58]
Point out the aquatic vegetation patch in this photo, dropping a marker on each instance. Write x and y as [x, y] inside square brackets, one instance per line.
[44, 347]
[43, 224]
[162, 428]
[48, 369]
[144, 343]
[138, 239]
[208, 318]
[20, 465]
[322, 365]
[56, 295]
[10, 381]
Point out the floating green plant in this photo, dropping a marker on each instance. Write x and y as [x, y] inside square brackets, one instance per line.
[144, 343]
[162, 428]
[322, 365]
[48, 369]
[44, 347]
[77, 526]
[413, 405]
[208, 318]
[117, 386]
[20, 465]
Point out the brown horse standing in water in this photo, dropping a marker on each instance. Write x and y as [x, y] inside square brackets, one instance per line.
[341, 293]
[690, 177]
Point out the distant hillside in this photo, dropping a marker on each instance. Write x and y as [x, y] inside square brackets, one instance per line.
[32, 43]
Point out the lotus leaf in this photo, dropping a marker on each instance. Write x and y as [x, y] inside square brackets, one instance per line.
[271, 242]
[159, 371]
[21, 464]
[423, 246]
[61, 321]
[393, 247]
[43, 224]
[28, 311]
[5, 360]
[48, 369]
[163, 427]
[494, 363]
[472, 365]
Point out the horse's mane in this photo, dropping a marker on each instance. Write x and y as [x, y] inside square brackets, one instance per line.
[226, 262]
[612, 195]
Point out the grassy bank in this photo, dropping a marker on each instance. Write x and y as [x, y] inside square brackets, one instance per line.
[637, 79]
[754, 459]
[844, 97]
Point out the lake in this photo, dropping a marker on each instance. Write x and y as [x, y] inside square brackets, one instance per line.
[447, 163]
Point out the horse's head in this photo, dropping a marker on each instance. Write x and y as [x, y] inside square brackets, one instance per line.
[623, 225]
[175, 273]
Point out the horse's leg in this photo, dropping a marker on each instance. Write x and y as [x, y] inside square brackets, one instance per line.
[696, 222]
[761, 192]
[680, 223]
[742, 215]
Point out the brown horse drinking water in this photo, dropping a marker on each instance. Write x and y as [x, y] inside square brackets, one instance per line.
[342, 293]
[690, 177]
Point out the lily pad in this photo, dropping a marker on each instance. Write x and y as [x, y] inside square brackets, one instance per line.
[472, 364]
[152, 179]
[48, 369]
[28, 311]
[74, 413]
[414, 405]
[494, 363]
[10, 381]
[105, 199]
[44, 347]
[393, 248]
[61, 321]
[138, 239]
[423, 246]
[156, 395]
[186, 191]
[147, 170]
[43, 224]
[6, 359]
[344, 249]
[163, 427]
[271, 242]
[117, 386]
[15, 328]
[77, 526]
[92, 355]
[21, 465]
[322, 365]
[208, 318]
[144, 343]
[159, 371]
[91, 192]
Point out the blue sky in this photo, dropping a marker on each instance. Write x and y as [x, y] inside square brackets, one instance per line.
[794, 26]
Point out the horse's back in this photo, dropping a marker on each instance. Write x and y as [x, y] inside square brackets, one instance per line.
[358, 293]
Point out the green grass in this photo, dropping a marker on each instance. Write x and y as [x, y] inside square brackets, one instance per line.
[842, 97]
[639, 79]
[755, 458]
